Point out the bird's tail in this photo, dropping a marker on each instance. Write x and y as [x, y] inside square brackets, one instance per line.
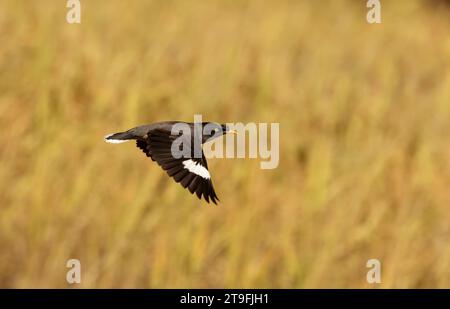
[121, 137]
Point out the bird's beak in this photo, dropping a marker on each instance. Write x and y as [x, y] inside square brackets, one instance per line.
[232, 132]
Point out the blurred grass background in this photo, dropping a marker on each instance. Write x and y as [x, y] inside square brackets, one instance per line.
[364, 148]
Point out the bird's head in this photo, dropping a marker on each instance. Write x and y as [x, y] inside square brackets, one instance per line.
[212, 130]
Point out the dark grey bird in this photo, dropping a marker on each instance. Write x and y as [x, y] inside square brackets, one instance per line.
[177, 147]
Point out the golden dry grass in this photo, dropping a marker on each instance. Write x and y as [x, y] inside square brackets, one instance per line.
[365, 143]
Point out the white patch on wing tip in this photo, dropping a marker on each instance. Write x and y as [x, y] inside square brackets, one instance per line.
[196, 168]
[114, 141]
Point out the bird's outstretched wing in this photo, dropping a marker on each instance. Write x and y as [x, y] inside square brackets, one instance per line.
[192, 173]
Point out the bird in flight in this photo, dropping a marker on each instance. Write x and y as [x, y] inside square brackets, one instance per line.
[176, 147]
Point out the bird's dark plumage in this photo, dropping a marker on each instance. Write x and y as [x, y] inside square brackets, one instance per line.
[191, 171]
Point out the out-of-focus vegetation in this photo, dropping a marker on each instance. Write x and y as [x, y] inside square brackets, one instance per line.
[364, 113]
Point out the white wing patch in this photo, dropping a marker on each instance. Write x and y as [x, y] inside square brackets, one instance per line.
[196, 168]
[114, 141]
